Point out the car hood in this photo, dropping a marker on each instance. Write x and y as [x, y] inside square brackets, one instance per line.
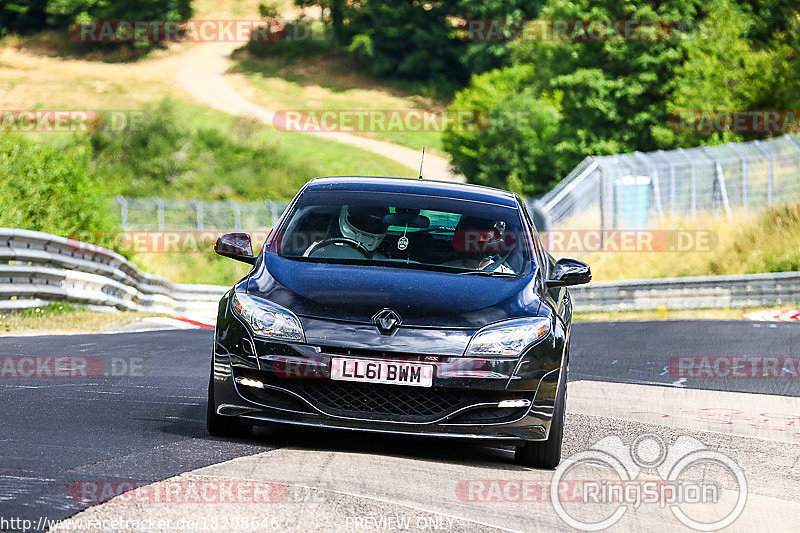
[422, 298]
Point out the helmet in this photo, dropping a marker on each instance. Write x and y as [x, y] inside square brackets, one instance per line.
[364, 224]
[479, 238]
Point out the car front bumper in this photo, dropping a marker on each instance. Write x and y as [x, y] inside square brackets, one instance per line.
[261, 381]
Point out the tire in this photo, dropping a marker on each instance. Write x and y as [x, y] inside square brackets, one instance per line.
[222, 426]
[546, 454]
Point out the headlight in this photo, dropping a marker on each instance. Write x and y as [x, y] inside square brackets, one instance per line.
[509, 338]
[268, 319]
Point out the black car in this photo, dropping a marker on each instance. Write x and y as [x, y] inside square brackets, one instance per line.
[398, 306]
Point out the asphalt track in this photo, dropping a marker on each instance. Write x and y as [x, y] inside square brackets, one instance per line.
[143, 421]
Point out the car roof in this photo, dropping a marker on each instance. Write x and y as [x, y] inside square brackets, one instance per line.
[441, 189]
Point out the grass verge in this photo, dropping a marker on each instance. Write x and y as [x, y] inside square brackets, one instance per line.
[747, 243]
[61, 317]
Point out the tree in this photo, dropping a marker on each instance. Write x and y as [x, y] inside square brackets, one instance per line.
[21, 16]
[611, 93]
[724, 72]
[514, 131]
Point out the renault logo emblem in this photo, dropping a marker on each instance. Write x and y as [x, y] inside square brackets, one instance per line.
[387, 321]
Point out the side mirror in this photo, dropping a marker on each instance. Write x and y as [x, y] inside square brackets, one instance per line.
[236, 246]
[568, 272]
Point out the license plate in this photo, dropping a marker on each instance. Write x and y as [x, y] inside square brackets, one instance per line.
[391, 372]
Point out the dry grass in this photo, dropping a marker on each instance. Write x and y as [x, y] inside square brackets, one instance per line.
[193, 267]
[65, 320]
[747, 243]
[333, 82]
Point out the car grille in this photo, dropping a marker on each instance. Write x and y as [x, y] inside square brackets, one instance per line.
[382, 399]
[350, 399]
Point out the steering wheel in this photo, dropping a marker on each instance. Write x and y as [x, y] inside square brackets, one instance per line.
[339, 241]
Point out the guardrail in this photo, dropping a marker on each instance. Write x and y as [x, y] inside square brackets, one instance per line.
[43, 268]
[696, 292]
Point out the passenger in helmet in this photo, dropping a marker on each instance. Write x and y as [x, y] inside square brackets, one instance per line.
[480, 242]
[364, 224]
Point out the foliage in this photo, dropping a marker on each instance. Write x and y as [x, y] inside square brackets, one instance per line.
[20, 16]
[175, 150]
[724, 71]
[482, 55]
[164, 154]
[616, 95]
[420, 41]
[49, 188]
[513, 129]
[406, 40]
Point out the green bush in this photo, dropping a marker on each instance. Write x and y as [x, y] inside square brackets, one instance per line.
[514, 140]
[171, 153]
[23, 16]
[50, 188]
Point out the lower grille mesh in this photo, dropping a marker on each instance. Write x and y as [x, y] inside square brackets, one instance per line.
[375, 399]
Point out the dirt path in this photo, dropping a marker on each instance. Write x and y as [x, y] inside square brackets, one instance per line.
[202, 71]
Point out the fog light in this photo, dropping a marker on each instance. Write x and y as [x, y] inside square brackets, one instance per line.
[247, 382]
[514, 403]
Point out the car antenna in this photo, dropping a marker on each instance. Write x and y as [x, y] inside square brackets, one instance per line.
[421, 162]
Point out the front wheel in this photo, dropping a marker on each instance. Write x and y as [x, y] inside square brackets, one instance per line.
[222, 426]
[547, 453]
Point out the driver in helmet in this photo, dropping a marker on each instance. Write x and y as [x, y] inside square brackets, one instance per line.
[364, 224]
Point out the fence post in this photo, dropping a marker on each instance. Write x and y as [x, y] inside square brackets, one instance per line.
[719, 176]
[198, 207]
[123, 210]
[160, 206]
[671, 181]
[237, 214]
[602, 203]
[771, 169]
[693, 201]
[272, 212]
[742, 157]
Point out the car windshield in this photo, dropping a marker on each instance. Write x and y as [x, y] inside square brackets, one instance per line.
[408, 232]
